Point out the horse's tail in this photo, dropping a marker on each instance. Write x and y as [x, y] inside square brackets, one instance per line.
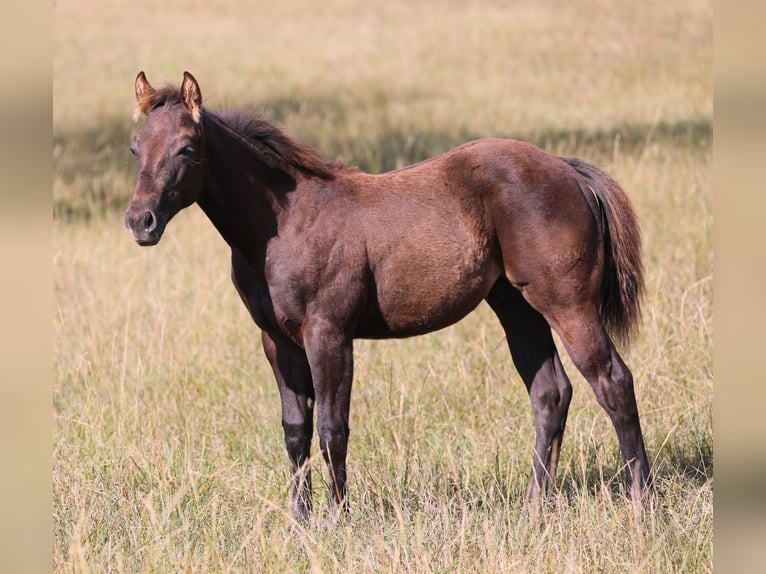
[623, 285]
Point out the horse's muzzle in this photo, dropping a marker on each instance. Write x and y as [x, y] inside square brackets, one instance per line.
[142, 224]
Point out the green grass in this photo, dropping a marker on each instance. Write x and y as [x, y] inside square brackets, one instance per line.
[168, 450]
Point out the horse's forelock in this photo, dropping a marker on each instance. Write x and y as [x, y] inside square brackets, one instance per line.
[154, 99]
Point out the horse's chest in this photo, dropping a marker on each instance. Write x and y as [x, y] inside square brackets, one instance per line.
[273, 310]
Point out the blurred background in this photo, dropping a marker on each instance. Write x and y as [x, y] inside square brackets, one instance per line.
[381, 85]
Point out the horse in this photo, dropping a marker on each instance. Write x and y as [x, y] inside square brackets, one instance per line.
[323, 254]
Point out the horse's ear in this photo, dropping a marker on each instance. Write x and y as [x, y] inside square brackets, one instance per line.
[192, 96]
[144, 93]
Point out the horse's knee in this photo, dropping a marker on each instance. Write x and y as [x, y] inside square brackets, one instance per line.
[333, 441]
[297, 441]
[333, 435]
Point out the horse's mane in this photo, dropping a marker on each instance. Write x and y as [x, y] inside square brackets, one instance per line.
[275, 146]
[271, 143]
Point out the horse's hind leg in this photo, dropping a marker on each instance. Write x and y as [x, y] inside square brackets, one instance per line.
[537, 361]
[594, 354]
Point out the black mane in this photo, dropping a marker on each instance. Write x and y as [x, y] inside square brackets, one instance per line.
[274, 145]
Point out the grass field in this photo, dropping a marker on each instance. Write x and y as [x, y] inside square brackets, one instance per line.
[168, 449]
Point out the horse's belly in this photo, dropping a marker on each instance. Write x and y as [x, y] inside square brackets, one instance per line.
[412, 297]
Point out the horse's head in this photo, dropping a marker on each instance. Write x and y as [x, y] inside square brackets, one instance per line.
[169, 150]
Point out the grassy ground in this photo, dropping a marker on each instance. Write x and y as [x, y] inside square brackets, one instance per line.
[168, 452]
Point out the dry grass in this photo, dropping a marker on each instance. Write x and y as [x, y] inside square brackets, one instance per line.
[454, 64]
[168, 448]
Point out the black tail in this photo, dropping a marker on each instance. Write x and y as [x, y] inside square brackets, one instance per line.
[623, 285]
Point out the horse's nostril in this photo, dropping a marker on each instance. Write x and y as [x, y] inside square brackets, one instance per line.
[149, 221]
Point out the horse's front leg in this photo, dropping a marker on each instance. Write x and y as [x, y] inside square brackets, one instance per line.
[330, 354]
[293, 375]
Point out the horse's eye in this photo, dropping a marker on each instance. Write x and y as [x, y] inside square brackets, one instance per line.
[186, 151]
[133, 151]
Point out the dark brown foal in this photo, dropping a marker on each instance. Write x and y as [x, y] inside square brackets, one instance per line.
[323, 254]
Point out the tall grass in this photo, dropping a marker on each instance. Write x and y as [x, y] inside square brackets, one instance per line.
[168, 452]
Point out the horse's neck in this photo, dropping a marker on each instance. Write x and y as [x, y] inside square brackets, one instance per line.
[236, 195]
